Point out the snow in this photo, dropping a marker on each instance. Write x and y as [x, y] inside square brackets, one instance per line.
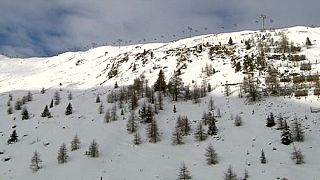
[85, 74]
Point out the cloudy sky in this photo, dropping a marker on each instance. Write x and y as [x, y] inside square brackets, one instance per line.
[48, 27]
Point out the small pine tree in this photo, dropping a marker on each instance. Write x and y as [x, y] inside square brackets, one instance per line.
[184, 173]
[35, 162]
[297, 156]
[263, 159]
[230, 174]
[98, 99]
[184, 125]
[100, 109]
[75, 143]
[286, 137]
[297, 132]
[56, 98]
[177, 136]
[18, 105]
[70, 96]
[45, 112]
[113, 113]
[153, 132]
[280, 122]
[9, 110]
[132, 124]
[174, 109]
[93, 149]
[10, 97]
[51, 104]
[211, 155]
[68, 109]
[116, 85]
[13, 137]
[212, 129]
[25, 114]
[62, 154]
[308, 42]
[230, 42]
[136, 138]
[200, 135]
[29, 96]
[270, 120]
[211, 104]
[238, 120]
[107, 116]
[246, 174]
[43, 90]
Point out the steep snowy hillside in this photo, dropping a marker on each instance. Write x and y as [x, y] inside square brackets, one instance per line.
[217, 80]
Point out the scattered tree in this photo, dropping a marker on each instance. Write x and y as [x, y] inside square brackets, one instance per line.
[51, 104]
[286, 137]
[25, 114]
[230, 42]
[100, 109]
[13, 137]
[107, 116]
[238, 120]
[270, 120]
[183, 124]
[136, 138]
[9, 110]
[29, 96]
[184, 173]
[35, 162]
[200, 135]
[177, 136]
[62, 154]
[70, 96]
[308, 42]
[93, 149]
[297, 132]
[68, 109]
[230, 174]
[98, 99]
[297, 156]
[132, 124]
[211, 155]
[263, 159]
[153, 132]
[75, 143]
[56, 98]
[160, 84]
[18, 105]
[46, 112]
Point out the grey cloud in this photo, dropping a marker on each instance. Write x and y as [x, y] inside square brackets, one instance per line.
[38, 27]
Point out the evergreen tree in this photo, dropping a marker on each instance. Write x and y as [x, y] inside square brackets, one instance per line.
[270, 120]
[174, 109]
[160, 84]
[184, 173]
[238, 120]
[211, 155]
[93, 149]
[70, 96]
[200, 135]
[62, 154]
[160, 100]
[230, 42]
[75, 143]
[107, 116]
[18, 105]
[132, 124]
[177, 136]
[45, 112]
[113, 113]
[25, 114]
[68, 109]
[9, 110]
[308, 42]
[246, 174]
[51, 104]
[136, 138]
[35, 162]
[116, 85]
[263, 159]
[175, 86]
[10, 97]
[134, 101]
[286, 137]
[153, 132]
[230, 174]
[297, 132]
[56, 98]
[211, 104]
[100, 109]
[212, 128]
[183, 124]
[280, 122]
[209, 87]
[29, 96]
[98, 99]
[13, 137]
[43, 90]
[297, 156]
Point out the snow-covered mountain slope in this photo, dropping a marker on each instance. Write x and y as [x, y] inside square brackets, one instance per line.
[198, 60]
